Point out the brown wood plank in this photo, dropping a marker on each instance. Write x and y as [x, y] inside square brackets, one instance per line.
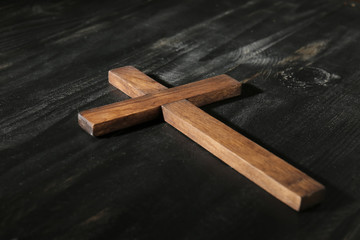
[112, 117]
[273, 174]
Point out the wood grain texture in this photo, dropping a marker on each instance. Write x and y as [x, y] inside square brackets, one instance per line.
[120, 115]
[273, 174]
[56, 182]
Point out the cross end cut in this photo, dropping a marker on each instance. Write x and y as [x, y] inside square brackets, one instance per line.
[313, 199]
[85, 124]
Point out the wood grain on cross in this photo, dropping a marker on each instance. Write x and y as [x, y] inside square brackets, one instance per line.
[178, 106]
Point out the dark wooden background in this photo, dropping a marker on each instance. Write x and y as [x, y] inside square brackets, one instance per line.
[150, 181]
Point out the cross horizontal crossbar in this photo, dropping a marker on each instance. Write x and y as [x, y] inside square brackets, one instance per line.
[108, 118]
[285, 182]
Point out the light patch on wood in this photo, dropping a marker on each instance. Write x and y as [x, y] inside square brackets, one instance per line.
[250, 78]
[49, 187]
[305, 53]
[179, 40]
[54, 186]
[5, 65]
[82, 32]
[96, 217]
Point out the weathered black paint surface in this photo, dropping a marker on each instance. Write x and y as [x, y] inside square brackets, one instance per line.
[57, 182]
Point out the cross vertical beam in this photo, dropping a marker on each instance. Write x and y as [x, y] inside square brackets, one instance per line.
[273, 174]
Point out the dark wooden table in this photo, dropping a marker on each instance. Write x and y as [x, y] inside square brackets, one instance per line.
[152, 182]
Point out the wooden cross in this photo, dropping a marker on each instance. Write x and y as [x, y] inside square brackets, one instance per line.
[178, 106]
